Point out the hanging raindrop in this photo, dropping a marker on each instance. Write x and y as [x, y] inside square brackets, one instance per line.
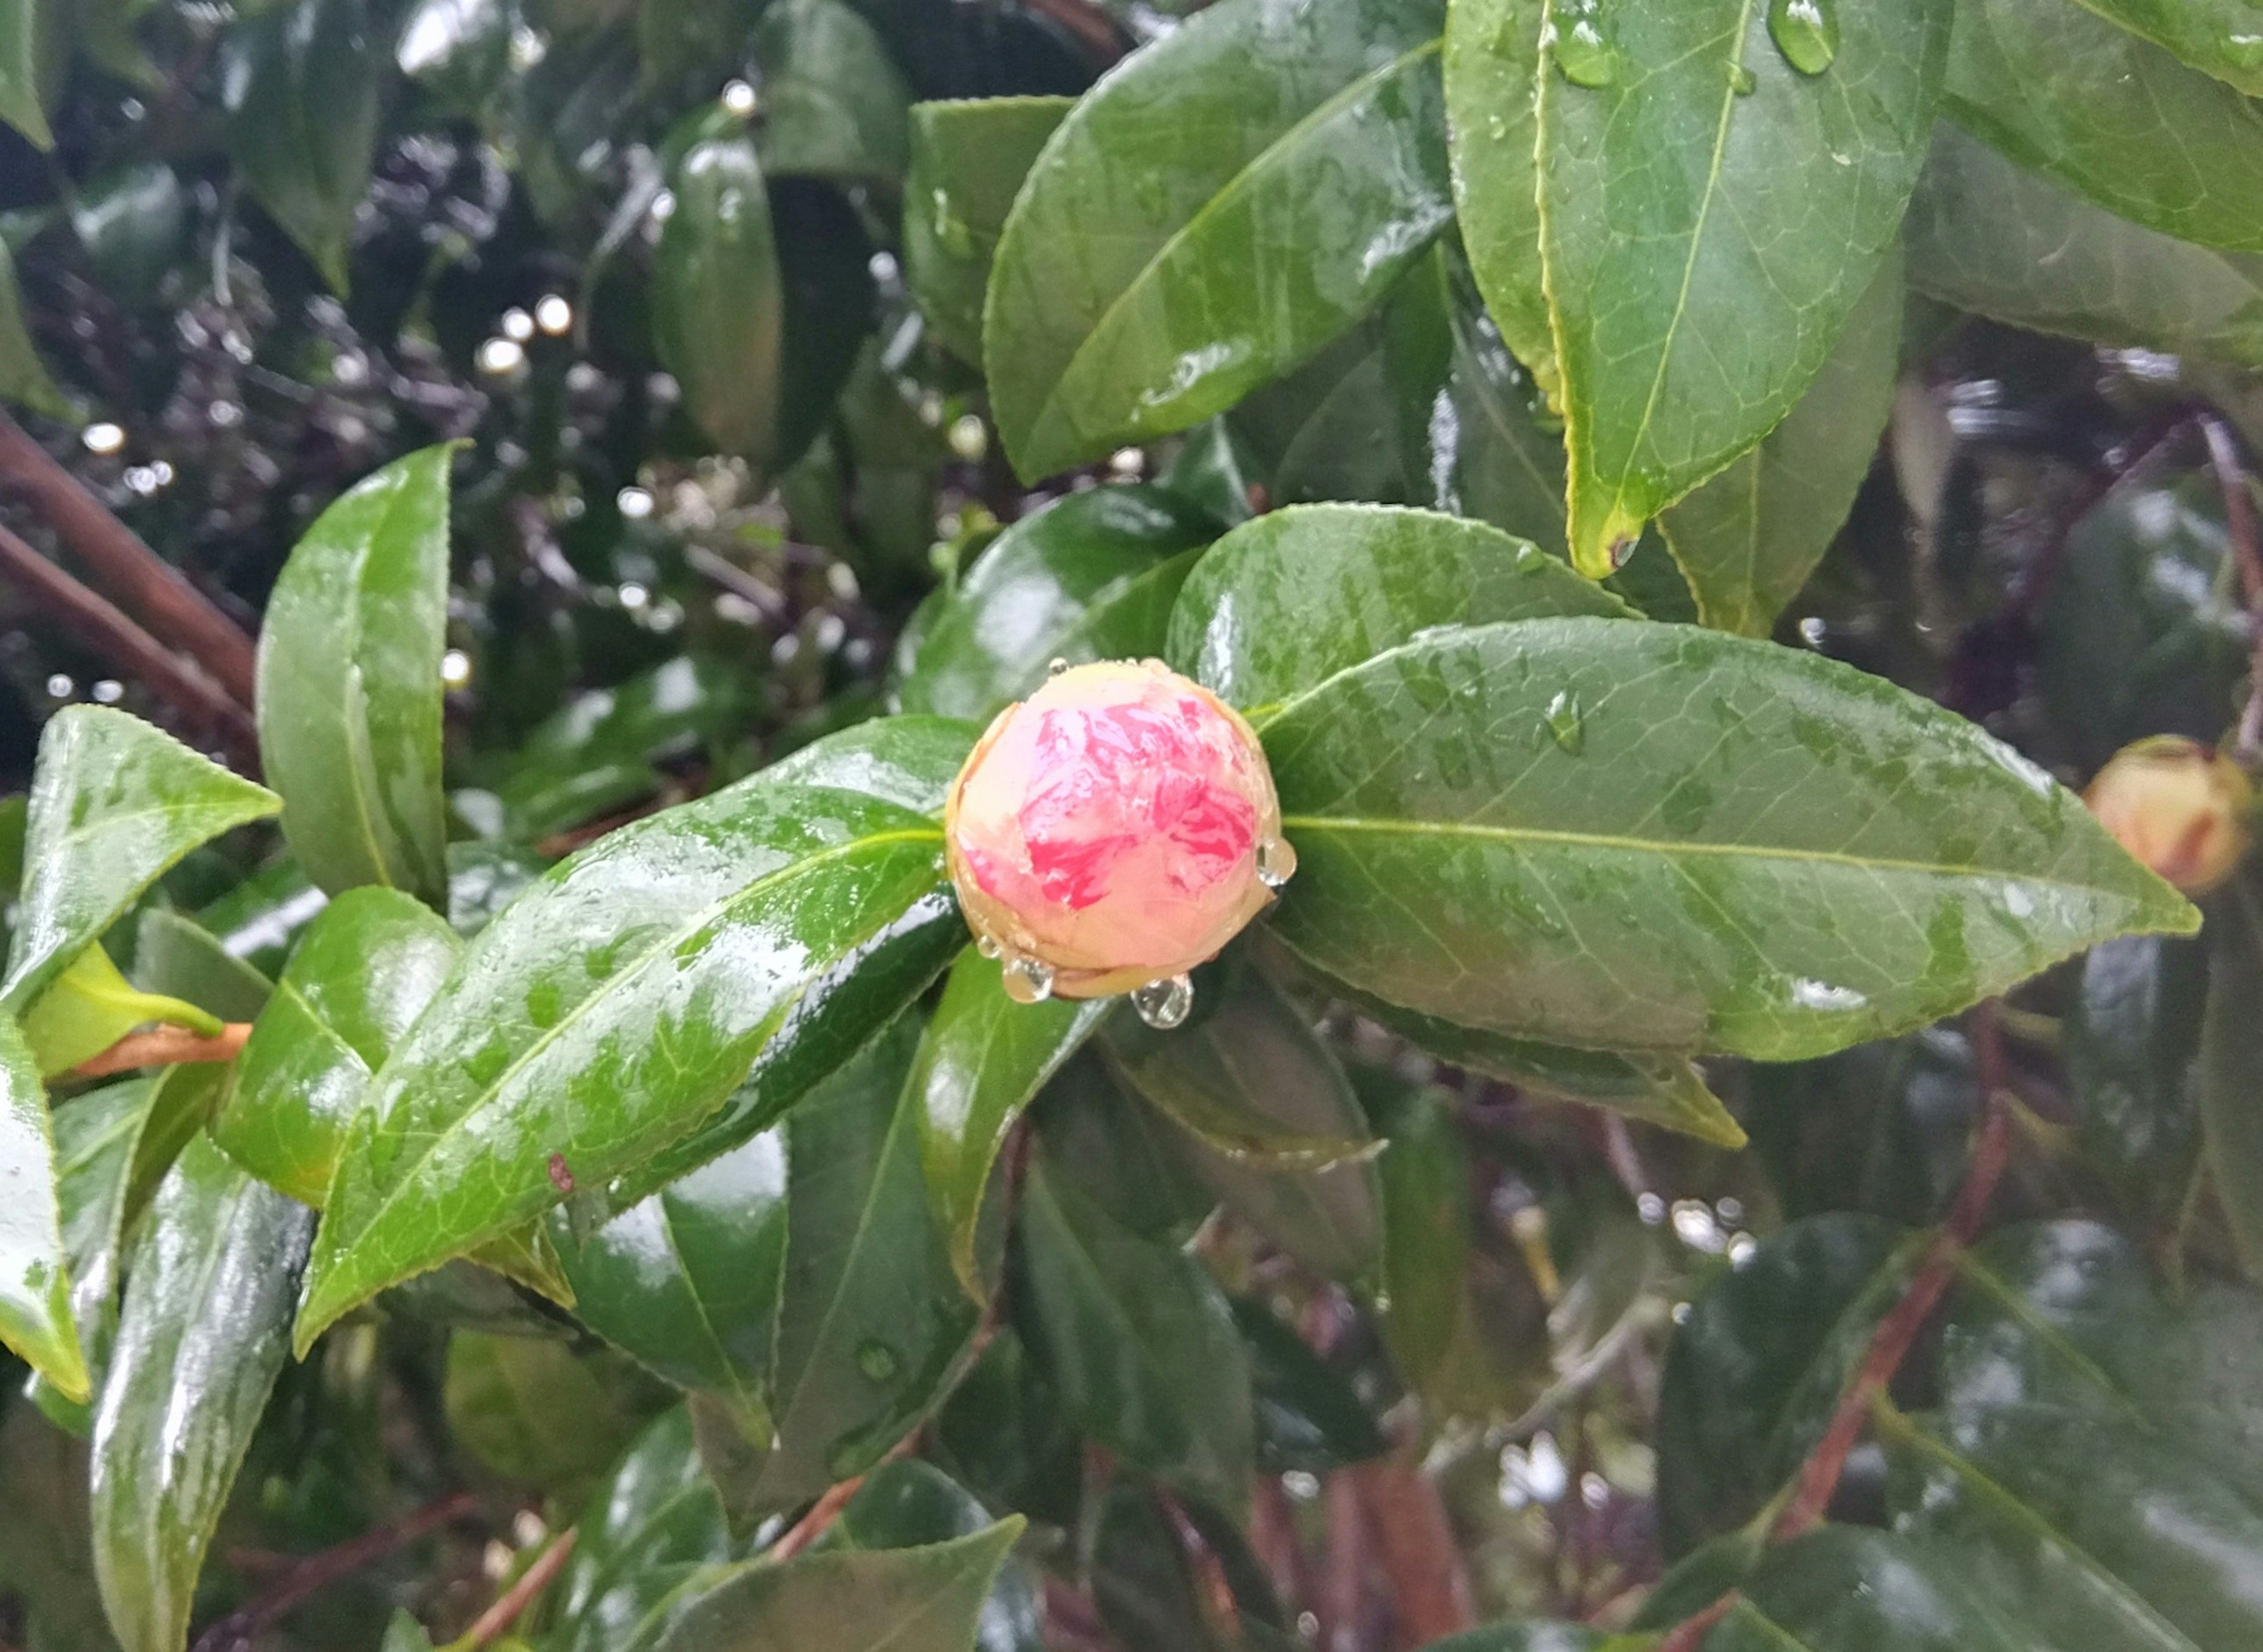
[1163, 1004]
[1583, 51]
[1566, 722]
[1028, 980]
[1055, 666]
[1806, 32]
[990, 947]
[1276, 862]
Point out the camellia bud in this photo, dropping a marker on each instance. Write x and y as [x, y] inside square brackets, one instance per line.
[2177, 806]
[1111, 833]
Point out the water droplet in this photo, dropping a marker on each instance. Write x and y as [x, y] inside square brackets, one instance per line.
[1742, 81]
[1583, 48]
[876, 1360]
[2246, 50]
[990, 947]
[1028, 980]
[1163, 1004]
[1806, 32]
[1055, 666]
[1567, 723]
[1276, 862]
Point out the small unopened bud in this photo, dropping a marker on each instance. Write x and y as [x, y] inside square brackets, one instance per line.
[1116, 829]
[2182, 808]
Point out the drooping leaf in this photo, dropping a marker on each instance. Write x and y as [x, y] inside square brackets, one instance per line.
[1747, 540]
[832, 105]
[203, 1334]
[90, 1006]
[981, 1060]
[1762, 214]
[115, 805]
[302, 89]
[1138, 1339]
[619, 1003]
[35, 1286]
[363, 972]
[716, 295]
[1091, 577]
[2061, 89]
[1142, 283]
[349, 692]
[24, 377]
[538, 1413]
[1652, 838]
[968, 158]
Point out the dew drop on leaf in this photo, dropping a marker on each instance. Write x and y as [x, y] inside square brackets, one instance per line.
[876, 1360]
[1742, 81]
[1583, 47]
[1163, 1004]
[1806, 32]
[1567, 721]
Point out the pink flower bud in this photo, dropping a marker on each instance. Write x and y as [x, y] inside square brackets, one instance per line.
[2179, 808]
[1113, 831]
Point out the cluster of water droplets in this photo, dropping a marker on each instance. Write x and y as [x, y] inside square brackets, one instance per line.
[1579, 37]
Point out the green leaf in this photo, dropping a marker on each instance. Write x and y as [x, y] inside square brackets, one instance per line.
[2231, 1062]
[179, 958]
[1648, 838]
[1118, 1152]
[1492, 101]
[1762, 217]
[35, 1286]
[23, 24]
[349, 692]
[364, 970]
[1146, 280]
[94, 1151]
[2133, 1036]
[927, 1599]
[538, 1413]
[1149, 1590]
[1747, 540]
[258, 920]
[90, 1006]
[1755, 1374]
[301, 87]
[680, 39]
[1003, 1435]
[1138, 1339]
[1885, 1128]
[1308, 1416]
[1090, 577]
[654, 1525]
[717, 296]
[832, 105]
[203, 1335]
[981, 1060]
[115, 805]
[404, 1634]
[1538, 1637]
[2223, 38]
[2112, 116]
[1329, 430]
[1302, 593]
[619, 1002]
[44, 1553]
[910, 1504]
[1990, 236]
[968, 159]
[1849, 1589]
[24, 377]
[181, 1103]
[459, 50]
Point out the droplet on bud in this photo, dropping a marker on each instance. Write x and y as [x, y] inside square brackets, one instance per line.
[1163, 1004]
[1055, 666]
[1028, 980]
[990, 947]
[1276, 862]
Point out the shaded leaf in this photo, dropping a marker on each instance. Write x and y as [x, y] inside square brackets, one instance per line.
[1308, 1416]
[1847, 1589]
[22, 23]
[1493, 71]
[24, 377]
[968, 159]
[181, 1103]
[178, 956]
[94, 1151]
[2132, 1039]
[832, 105]
[1329, 430]
[538, 1414]
[459, 50]
[2231, 1062]
[35, 1286]
[910, 1504]
[2217, 36]
[717, 296]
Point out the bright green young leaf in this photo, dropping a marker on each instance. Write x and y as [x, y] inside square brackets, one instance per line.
[1763, 213]
[1649, 837]
[538, 1413]
[24, 24]
[1747, 540]
[1235, 195]
[35, 1286]
[981, 1060]
[2112, 116]
[2231, 1062]
[717, 296]
[1297, 596]
[115, 805]
[90, 1006]
[832, 104]
[404, 1634]
[1138, 1339]
[1492, 101]
[968, 158]
[2224, 38]
[1091, 577]
[302, 87]
[619, 1002]
[94, 1151]
[203, 1334]
[24, 377]
[364, 970]
[350, 693]
[1990, 236]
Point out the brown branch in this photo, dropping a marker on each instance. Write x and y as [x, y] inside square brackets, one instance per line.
[515, 1600]
[143, 584]
[165, 1047]
[1090, 26]
[199, 700]
[2223, 458]
[309, 1576]
[1690, 1632]
[1414, 1540]
[813, 1525]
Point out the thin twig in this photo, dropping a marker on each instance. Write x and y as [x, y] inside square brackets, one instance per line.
[1091, 27]
[813, 1525]
[515, 1600]
[165, 1047]
[309, 1576]
[1690, 1632]
[2223, 458]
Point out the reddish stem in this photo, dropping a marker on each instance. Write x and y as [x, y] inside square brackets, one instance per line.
[165, 1047]
[1687, 1635]
[811, 1526]
[304, 1578]
[497, 1619]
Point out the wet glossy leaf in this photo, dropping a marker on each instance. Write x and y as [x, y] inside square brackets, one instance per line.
[35, 1286]
[203, 1331]
[131, 219]
[1143, 282]
[1308, 1416]
[302, 86]
[2217, 36]
[968, 158]
[1747, 540]
[1297, 596]
[1883, 1128]
[717, 299]
[1849, 1589]
[23, 376]
[2132, 1039]
[1753, 1374]
[1990, 236]
[182, 1102]
[1329, 430]
[910, 1504]
[1493, 100]
[1767, 221]
[364, 970]
[652, 1524]
[2231, 1062]
[1119, 1152]
[2114, 117]
[90, 1006]
[1606, 835]
[538, 1414]
[1138, 1339]
[350, 693]
[982, 1060]
[619, 1003]
[115, 805]
[94, 1151]
[832, 105]
[1092, 577]
[258, 920]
